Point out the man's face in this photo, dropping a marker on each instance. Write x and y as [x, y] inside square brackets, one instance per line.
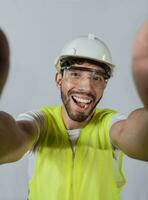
[81, 89]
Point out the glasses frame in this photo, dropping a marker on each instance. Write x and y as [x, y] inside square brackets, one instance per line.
[86, 69]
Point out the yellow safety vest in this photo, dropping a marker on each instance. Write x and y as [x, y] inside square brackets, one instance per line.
[89, 174]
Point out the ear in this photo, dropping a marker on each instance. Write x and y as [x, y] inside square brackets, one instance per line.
[58, 79]
[106, 81]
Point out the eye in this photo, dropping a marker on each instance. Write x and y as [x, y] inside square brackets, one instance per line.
[75, 73]
[98, 78]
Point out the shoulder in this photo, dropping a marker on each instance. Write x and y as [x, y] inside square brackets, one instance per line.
[50, 110]
[104, 114]
[105, 111]
[112, 115]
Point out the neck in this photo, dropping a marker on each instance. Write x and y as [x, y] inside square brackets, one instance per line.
[71, 124]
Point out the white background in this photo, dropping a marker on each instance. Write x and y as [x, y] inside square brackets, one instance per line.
[37, 30]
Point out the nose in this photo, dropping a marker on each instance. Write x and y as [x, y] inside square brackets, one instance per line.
[84, 83]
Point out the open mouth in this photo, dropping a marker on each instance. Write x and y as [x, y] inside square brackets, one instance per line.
[83, 103]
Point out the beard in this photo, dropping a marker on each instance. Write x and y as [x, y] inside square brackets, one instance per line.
[78, 116]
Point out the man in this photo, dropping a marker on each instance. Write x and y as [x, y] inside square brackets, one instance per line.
[76, 143]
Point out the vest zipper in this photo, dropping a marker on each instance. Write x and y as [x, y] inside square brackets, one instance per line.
[73, 156]
[73, 150]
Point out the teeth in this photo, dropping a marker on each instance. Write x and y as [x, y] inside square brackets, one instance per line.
[78, 99]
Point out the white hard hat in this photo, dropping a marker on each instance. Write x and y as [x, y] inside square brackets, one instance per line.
[89, 47]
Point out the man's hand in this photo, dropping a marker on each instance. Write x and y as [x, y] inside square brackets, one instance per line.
[131, 135]
[4, 59]
[140, 63]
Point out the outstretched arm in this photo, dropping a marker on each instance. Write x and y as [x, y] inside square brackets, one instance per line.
[131, 135]
[16, 137]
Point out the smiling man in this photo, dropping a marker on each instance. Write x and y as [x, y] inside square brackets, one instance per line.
[82, 87]
[79, 147]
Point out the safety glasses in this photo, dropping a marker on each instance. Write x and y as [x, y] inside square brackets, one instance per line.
[77, 73]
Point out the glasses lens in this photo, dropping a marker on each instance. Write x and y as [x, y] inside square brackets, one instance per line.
[74, 74]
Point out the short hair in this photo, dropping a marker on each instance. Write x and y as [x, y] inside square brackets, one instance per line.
[68, 61]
